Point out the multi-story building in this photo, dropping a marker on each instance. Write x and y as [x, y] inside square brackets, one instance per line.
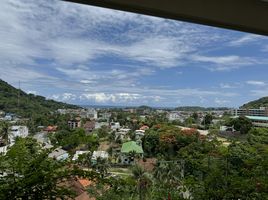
[261, 112]
[75, 123]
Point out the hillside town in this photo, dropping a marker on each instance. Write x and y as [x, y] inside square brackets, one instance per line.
[111, 141]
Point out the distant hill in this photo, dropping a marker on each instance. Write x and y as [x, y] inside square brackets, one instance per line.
[28, 103]
[262, 102]
[199, 108]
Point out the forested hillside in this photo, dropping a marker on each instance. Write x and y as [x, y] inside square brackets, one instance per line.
[28, 103]
[262, 102]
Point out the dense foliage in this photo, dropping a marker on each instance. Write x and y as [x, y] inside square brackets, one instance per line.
[27, 104]
[28, 173]
[262, 102]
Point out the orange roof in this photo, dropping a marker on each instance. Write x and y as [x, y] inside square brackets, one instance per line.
[144, 127]
[85, 182]
[51, 128]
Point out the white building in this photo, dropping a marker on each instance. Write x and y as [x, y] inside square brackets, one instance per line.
[175, 116]
[59, 154]
[78, 153]
[115, 126]
[18, 131]
[99, 154]
[139, 134]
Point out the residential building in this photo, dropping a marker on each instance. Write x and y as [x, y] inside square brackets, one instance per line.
[51, 129]
[127, 149]
[18, 131]
[139, 134]
[78, 153]
[59, 154]
[89, 126]
[122, 134]
[105, 116]
[175, 116]
[74, 123]
[99, 154]
[89, 113]
[101, 124]
[115, 126]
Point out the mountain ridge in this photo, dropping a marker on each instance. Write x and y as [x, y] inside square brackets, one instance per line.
[261, 102]
[27, 104]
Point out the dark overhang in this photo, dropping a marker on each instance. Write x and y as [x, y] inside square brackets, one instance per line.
[243, 15]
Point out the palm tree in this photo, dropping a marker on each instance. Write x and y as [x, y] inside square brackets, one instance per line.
[101, 166]
[143, 180]
[4, 132]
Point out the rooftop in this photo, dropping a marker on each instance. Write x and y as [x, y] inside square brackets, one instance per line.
[131, 146]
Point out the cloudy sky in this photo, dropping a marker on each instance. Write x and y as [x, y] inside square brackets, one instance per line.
[94, 56]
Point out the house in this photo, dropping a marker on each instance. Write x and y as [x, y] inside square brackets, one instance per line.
[78, 153]
[105, 116]
[174, 115]
[42, 138]
[139, 134]
[89, 113]
[101, 124]
[79, 187]
[74, 123]
[18, 131]
[51, 129]
[128, 148]
[59, 154]
[144, 127]
[122, 134]
[89, 126]
[99, 154]
[115, 126]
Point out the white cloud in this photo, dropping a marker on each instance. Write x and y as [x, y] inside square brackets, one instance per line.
[246, 39]
[225, 63]
[230, 85]
[256, 83]
[65, 97]
[108, 98]
[31, 92]
[221, 102]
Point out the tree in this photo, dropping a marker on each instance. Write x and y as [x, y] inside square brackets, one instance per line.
[143, 180]
[4, 132]
[241, 124]
[208, 119]
[101, 166]
[195, 117]
[28, 173]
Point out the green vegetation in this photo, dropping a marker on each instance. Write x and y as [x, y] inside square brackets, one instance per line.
[28, 173]
[28, 104]
[73, 139]
[262, 102]
[241, 124]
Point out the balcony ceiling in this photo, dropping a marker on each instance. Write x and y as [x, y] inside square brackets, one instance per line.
[242, 15]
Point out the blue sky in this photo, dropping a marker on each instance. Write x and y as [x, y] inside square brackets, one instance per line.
[88, 55]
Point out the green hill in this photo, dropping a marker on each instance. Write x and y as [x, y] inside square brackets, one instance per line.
[28, 103]
[262, 102]
[199, 108]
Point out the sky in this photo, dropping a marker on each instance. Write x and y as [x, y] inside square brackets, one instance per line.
[87, 55]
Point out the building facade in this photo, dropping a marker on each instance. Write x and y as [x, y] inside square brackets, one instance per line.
[261, 112]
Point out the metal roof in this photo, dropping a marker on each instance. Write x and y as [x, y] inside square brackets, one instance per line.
[257, 118]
